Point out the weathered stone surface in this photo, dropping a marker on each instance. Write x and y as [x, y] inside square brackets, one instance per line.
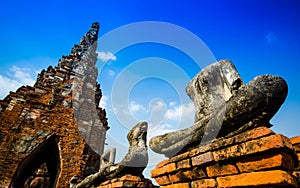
[40, 119]
[202, 159]
[127, 181]
[184, 164]
[295, 140]
[253, 146]
[177, 185]
[207, 183]
[257, 150]
[296, 145]
[134, 162]
[214, 85]
[195, 173]
[279, 161]
[263, 179]
[224, 107]
[163, 180]
[28, 143]
[221, 170]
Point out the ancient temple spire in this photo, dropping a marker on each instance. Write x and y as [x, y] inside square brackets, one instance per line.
[66, 63]
[33, 117]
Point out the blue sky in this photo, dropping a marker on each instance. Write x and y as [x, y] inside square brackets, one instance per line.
[258, 36]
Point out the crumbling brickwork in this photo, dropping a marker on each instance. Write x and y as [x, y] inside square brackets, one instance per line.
[39, 138]
[255, 158]
[296, 144]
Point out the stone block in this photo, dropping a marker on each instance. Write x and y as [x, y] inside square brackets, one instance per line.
[163, 180]
[205, 183]
[130, 178]
[177, 185]
[221, 170]
[184, 164]
[158, 171]
[253, 134]
[176, 177]
[171, 167]
[295, 140]
[261, 162]
[202, 159]
[271, 178]
[179, 157]
[254, 146]
[194, 174]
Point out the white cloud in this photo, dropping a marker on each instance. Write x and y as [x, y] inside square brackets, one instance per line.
[103, 101]
[7, 85]
[172, 103]
[15, 78]
[106, 56]
[23, 75]
[182, 112]
[158, 105]
[135, 107]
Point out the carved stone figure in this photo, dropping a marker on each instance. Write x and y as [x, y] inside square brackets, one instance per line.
[107, 158]
[224, 106]
[134, 162]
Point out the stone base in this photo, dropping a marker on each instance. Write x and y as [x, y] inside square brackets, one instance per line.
[296, 144]
[127, 181]
[257, 157]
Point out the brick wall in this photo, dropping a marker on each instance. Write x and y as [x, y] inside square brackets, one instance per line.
[38, 124]
[258, 157]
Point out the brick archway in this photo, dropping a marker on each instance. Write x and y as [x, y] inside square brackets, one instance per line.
[41, 168]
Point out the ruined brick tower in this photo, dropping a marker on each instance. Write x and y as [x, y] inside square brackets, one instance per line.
[40, 140]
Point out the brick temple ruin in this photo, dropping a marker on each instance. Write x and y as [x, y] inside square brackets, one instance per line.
[38, 132]
[47, 138]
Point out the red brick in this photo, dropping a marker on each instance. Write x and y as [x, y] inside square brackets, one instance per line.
[295, 140]
[205, 183]
[194, 152]
[204, 148]
[130, 178]
[171, 167]
[162, 163]
[117, 184]
[194, 174]
[142, 184]
[184, 164]
[202, 159]
[106, 182]
[221, 170]
[176, 177]
[259, 162]
[221, 143]
[105, 186]
[177, 185]
[253, 134]
[134, 184]
[179, 157]
[297, 148]
[298, 167]
[163, 180]
[264, 178]
[254, 146]
[187, 175]
[158, 171]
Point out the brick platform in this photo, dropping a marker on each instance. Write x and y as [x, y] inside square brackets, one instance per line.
[127, 181]
[296, 144]
[257, 157]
